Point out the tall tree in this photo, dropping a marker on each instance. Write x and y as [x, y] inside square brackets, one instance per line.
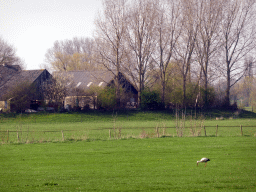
[238, 39]
[168, 29]
[187, 42]
[110, 34]
[141, 42]
[209, 17]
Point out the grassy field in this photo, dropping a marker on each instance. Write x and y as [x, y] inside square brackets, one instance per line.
[155, 164]
[98, 151]
[39, 128]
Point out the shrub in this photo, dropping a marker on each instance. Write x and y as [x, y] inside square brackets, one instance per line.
[20, 96]
[150, 100]
[106, 98]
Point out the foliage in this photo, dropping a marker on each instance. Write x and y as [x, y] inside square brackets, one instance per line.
[244, 92]
[150, 100]
[176, 97]
[210, 97]
[75, 54]
[106, 98]
[192, 91]
[76, 61]
[20, 96]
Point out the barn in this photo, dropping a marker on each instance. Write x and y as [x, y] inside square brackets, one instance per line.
[81, 83]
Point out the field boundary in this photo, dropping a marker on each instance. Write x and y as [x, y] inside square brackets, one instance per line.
[117, 132]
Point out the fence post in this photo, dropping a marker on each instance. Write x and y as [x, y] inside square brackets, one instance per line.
[109, 133]
[119, 133]
[157, 132]
[241, 127]
[18, 136]
[7, 136]
[204, 131]
[63, 138]
[216, 130]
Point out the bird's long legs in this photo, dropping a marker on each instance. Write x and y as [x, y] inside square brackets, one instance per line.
[205, 164]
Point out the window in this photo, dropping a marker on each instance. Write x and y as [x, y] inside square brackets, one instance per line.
[89, 84]
[100, 84]
[78, 84]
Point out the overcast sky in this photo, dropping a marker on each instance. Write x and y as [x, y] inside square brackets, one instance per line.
[32, 26]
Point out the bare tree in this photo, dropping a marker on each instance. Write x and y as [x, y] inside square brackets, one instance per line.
[10, 63]
[67, 55]
[186, 45]
[8, 54]
[238, 38]
[56, 89]
[110, 34]
[168, 28]
[141, 42]
[209, 17]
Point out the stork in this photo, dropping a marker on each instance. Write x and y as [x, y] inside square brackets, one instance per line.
[203, 160]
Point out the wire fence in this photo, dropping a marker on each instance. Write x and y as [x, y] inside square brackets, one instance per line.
[28, 136]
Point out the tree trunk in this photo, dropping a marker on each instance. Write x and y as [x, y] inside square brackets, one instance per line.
[206, 103]
[227, 96]
[118, 80]
[163, 94]
[184, 92]
[118, 102]
[163, 89]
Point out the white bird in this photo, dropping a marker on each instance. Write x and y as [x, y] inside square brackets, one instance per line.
[203, 160]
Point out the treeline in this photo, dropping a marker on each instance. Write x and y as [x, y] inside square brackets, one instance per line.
[188, 52]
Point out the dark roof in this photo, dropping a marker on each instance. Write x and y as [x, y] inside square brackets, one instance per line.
[29, 75]
[86, 79]
[7, 72]
[13, 76]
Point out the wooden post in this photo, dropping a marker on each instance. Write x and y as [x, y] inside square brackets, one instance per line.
[63, 138]
[119, 133]
[217, 130]
[204, 131]
[18, 136]
[109, 133]
[241, 127]
[157, 132]
[7, 136]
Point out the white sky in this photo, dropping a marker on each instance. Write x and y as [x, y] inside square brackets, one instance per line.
[32, 26]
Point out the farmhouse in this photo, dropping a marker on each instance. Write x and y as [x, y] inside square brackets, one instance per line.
[83, 86]
[12, 76]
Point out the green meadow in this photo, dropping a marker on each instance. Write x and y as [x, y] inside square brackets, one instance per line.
[157, 164]
[128, 151]
[56, 127]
